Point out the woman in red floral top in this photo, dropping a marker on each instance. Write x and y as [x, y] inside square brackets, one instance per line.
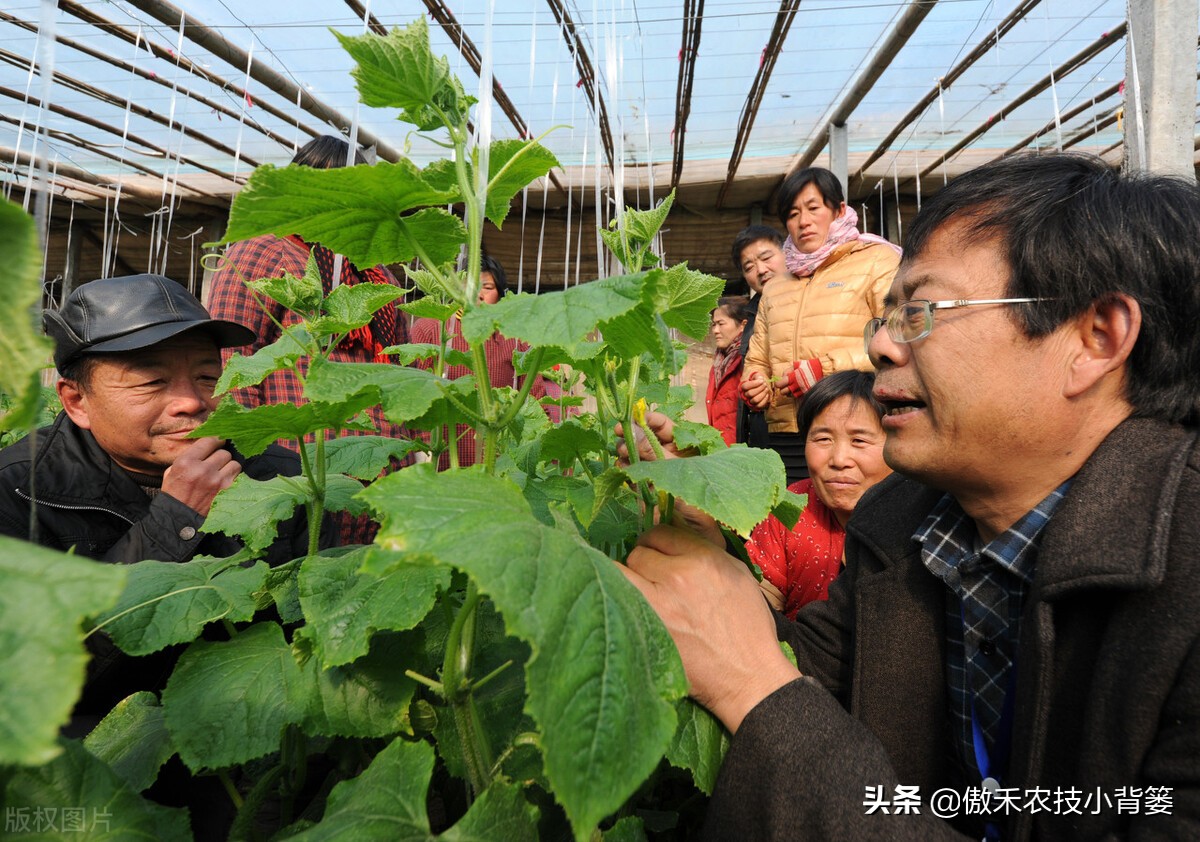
[843, 444]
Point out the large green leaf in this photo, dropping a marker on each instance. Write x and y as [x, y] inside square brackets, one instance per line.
[229, 702]
[369, 698]
[738, 486]
[603, 673]
[386, 803]
[44, 597]
[76, 796]
[23, 350]
[512, 164]
[345, 608]
[166, 603]
[699, 745]
[350, 307]
[571, 440]
[400, 71]
[354, 211]
[686, 298]
[242, 371]
[252, 430]
[363, 457]
[301, 295]
[406, 393]
[133, 740]
[564, 319]
[252, 509]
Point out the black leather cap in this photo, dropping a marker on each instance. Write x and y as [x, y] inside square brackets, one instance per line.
[135, 311]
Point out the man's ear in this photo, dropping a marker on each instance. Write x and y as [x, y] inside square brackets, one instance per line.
[74, 403]
[1108, 330]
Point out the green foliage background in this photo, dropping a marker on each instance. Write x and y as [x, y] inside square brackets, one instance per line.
[485, 653]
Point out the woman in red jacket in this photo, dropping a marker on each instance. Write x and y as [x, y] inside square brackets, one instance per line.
[728, 320]
[843, 444]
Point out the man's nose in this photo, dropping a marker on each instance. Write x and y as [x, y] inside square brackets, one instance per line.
[885, 351]
[190, 397]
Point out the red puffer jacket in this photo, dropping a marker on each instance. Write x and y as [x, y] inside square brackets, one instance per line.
[722, 398]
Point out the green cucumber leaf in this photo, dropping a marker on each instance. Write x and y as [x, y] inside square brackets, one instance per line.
[512, 165]
[133, 740]
[699, 744]
[399, 70]
[345, 607]
[44, 598]
[789, 508]
[349, 307]
[165, 603]
[242, 371]
[687, 297]
[252, 430]
[77, 796]
[387, 802]
[738, 486]
[405, 393]
[354, 211]
[253, 508]
[704, 437]
[603, 673]
[368, 698]
[362, 457]
[24, 351]
[300, 295]
[228, 702]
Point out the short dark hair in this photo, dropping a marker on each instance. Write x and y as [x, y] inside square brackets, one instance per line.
[853, 383]
[827, 185]
[489, 264]
[737, 306]
[326, 152]
[79, 370]
[750, 235]
[1076, 232]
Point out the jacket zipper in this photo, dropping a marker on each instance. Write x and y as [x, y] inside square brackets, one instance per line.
[26, 497]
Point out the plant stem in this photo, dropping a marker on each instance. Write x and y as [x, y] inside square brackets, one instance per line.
[230, 789]
[455, 679]
[315, 505]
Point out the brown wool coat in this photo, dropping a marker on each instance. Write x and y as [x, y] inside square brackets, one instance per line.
[1108, 688]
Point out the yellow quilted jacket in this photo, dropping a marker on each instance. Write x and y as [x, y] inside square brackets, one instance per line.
[822, 316]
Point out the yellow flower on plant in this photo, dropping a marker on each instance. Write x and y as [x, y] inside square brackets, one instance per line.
[639, 412]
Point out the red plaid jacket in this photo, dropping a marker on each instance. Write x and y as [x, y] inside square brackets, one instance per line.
[269, 256]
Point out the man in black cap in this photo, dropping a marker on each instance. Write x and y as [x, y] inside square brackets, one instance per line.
[116, 475]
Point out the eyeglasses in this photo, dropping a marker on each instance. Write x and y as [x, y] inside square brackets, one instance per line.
[913, 320]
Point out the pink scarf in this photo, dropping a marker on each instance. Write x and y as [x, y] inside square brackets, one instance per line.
[843, 230]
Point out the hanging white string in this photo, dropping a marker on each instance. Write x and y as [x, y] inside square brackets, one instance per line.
[525, 190]
[1057, 113]
[917, 172]
[237, 150]
[942, 129]
[168, 202]
[896, 189]
[351, 149]
[483, 118]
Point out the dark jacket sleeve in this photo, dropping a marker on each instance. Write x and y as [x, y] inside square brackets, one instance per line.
[799, 767]
[170, 531]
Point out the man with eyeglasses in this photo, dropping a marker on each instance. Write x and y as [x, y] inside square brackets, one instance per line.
[1013, 650]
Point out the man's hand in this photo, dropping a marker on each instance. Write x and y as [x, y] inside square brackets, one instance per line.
[716, 615]
[202, 470]
[664, 430]
[756, 391]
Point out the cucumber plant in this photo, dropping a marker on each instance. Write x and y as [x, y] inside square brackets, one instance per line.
[482, 669]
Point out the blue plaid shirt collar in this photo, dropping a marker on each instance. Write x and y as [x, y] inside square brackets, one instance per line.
[988, 585]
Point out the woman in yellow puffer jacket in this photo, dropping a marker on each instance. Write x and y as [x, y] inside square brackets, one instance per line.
[811, 324]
